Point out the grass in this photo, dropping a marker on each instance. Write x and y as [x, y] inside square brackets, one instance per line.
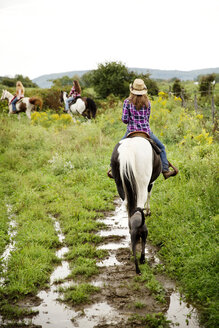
[78, 294]
[150, 320]
[151, 283]
[59, 169]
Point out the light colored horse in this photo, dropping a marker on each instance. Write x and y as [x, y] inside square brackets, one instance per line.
[84, 106]
[25, 104]
[135, 166]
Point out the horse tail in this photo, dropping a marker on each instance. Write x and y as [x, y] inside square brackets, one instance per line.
[91, 106]
[128, 177]
[135, 158]
[36, 101]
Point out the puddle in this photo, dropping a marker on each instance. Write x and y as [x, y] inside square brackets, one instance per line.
[182, 313]
[99, 313]
[115, 304]
[109, 261]
[51, 312]
[11, 246]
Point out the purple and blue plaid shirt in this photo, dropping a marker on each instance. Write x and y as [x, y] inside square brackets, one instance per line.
[73, 93]
[137, 120]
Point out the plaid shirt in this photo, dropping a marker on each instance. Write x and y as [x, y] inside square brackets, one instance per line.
[73, 93]
[137, 120]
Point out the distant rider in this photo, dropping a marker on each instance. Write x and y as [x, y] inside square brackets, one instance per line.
[74, 93]
[18, 96]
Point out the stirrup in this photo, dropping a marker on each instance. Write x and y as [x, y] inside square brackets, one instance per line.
[173, 167]
[109, 173]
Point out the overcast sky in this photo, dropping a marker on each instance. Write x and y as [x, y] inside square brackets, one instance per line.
[50, 36]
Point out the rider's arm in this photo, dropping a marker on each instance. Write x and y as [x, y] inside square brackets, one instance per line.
[19, 94]
[72, 91]
[125, 112]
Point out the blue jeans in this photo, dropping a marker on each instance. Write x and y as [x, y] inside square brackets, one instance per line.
[163, 155]
[13, 104]
[67, 103]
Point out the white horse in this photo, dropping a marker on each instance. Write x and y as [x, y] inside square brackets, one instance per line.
[84, 106]
[135, 166]
[25, 104]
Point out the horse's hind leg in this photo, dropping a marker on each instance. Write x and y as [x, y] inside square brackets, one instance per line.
[143, 243]
[148, 211]
[134, 243]
[28, 113]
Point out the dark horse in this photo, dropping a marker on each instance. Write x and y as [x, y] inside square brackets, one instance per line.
[84, 106]
[135, 166]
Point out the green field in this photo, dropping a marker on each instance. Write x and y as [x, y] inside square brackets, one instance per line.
[53, 166]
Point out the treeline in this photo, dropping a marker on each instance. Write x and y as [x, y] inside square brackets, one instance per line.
[109, 78]
[11, 82]
[114, 78]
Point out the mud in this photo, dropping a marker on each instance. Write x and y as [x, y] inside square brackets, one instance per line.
[115, 303]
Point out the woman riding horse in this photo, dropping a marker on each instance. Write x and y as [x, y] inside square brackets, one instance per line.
[74, 93]
[84, 106]
[24, 104]
[136, 114]
[18, 96]
[136, 164]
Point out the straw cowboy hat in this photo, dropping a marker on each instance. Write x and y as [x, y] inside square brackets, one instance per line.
[138, 87]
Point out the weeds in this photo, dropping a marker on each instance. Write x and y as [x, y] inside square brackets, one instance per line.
[78, 294]
[55, 166]
[151, 320]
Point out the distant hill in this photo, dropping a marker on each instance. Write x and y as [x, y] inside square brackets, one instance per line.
[43, 80]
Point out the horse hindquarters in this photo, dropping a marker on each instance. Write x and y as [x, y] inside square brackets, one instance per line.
[91, 107]
[78, 107]
[131, 163]
[135, 158]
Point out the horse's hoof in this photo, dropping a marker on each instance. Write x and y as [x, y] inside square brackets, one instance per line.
[142, 259]
[148, 213]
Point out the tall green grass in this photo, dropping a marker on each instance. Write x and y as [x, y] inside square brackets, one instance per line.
[59, 169]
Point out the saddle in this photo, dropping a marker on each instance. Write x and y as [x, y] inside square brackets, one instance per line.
[146, 136]
[74, 100]
[19, 100]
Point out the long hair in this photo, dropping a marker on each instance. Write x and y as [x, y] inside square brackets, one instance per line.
[77, 86]
[139, 100]
[19, 86]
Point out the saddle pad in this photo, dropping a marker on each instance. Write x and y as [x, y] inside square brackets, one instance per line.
[138, 134]
[74, 100]
[146, 136]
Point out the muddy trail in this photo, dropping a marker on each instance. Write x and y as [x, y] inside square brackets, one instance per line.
[119, 294]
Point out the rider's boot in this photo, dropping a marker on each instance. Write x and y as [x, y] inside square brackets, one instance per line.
[109, 173]
[168, 174]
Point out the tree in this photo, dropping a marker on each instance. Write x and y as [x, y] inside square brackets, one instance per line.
[111, 77]
[114, 78]
[64, 81]
[11, 82]
[206, 84]
[177, 89]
